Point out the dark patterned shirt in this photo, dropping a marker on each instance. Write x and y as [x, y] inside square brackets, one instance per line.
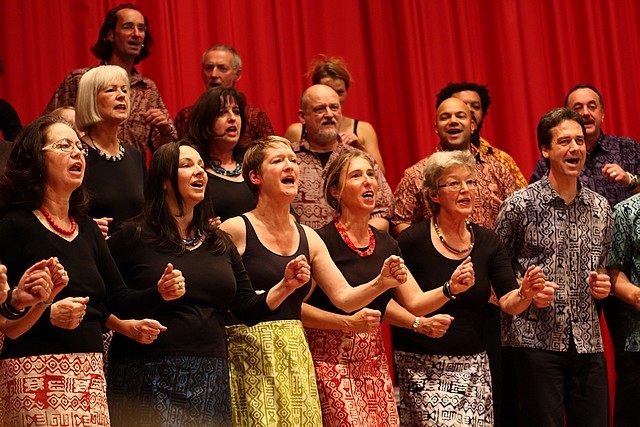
[625, 256]
[310, 206]
[258, 124]
[622, 151]
[144, 96]
[568, 242]
[495, 184]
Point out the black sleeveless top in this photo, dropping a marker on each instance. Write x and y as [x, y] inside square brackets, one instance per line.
[266, 269]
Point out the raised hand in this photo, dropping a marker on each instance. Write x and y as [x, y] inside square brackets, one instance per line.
[532, 282]
[394, 272]
[544, 298]
[172, 284]
[463, 277]
[297, 272]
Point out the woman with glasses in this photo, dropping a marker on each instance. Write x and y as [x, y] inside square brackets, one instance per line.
[447, 382]
[51, 363]
[115, 169]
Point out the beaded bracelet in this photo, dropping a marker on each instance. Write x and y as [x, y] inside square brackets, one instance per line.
[8, 311]
[446, 290]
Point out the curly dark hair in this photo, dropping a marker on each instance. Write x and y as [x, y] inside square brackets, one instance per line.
[209, 106]
[448, 91]
[103, 49]
[23, 183]
[156, 215]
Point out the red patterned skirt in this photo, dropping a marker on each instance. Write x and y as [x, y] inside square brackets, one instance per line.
[353, 378]
[53, 389]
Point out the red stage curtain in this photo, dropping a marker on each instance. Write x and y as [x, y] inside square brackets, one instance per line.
[400, 52]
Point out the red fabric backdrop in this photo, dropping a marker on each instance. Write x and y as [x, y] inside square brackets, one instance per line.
[400, 52]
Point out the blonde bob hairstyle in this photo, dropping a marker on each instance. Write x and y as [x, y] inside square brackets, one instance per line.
[92, 82]
[335, 176]
[254, 156]
[437, 164]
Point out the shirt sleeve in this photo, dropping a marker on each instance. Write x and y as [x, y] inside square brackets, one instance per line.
[407, 199]
[622, 238]
[508, 229]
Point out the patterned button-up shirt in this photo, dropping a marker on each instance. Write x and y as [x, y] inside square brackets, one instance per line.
[144, 96]
[622, 151]
[310, 205]
[258, 124]
[495, 184]
[567, 242]
[504, 158]
[625, 256]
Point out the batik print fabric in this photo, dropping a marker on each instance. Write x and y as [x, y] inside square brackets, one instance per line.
[625, 256]
[440, 391]
[272, 376]
[567, 242]
[53, 390]
[169, 391]
[353, 378]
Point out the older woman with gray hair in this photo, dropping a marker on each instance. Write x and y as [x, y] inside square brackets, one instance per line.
[115, 170]
[445, 381]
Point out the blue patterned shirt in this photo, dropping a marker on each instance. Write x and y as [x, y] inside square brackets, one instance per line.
[568, 242]
[622, 151]
[625, 256]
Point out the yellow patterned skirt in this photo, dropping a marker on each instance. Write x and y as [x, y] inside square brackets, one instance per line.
[53, 390]
[272, 376]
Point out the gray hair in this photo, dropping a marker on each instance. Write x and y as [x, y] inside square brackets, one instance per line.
[436, 165]
[236, 62]
[92, 82]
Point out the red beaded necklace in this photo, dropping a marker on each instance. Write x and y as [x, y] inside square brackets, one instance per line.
[345, 238]
[56, 227]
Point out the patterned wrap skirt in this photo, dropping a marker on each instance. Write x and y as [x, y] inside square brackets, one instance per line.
[353, 378]
[169, 391]
[444, 390]
[53, 390]
[272, 377]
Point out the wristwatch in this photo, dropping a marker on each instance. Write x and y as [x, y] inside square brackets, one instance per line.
[416, 324]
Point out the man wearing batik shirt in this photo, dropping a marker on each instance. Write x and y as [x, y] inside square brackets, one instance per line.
[611, 169]
[566, 229]
[321, 114]
[612, 161]
[125, 40]
[477, 98]
[222, 66]
[624, 268]
[454, 125]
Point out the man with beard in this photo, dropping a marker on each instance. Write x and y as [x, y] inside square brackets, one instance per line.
[320, 113]
[222, 66]
[125, 40]
[611, 170]
[477, 98]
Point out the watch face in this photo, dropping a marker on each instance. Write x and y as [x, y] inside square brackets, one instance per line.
[416, 323]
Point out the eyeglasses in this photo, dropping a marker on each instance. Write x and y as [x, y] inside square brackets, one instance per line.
[130, 26]
[471, 184]
[67, 146]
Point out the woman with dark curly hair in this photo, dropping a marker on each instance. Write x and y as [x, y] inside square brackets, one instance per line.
[216, 124]
[51, 363]
[182, 378]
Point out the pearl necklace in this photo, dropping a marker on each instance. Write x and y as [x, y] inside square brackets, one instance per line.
[108, 157]
[226, 172]
[451, 248]
[55, 226]
[345, 238]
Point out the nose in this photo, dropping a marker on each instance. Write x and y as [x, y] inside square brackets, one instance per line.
[584, 111]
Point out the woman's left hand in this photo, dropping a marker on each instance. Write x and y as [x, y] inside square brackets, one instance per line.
[144, 331]
[463, 278]
[172, 284]
[600, 285]
[394, 272]
[532, 282]
[297, 273]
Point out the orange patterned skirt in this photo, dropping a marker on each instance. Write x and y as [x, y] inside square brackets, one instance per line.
[53, 389]
[353, 377]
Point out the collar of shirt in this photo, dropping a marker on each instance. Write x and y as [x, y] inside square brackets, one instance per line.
[303, 145]
[480, 158]
[549, 195]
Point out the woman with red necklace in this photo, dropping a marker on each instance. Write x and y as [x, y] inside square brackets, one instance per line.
[57, 350]
[272, 376]
[447, 382]
[346, 378]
